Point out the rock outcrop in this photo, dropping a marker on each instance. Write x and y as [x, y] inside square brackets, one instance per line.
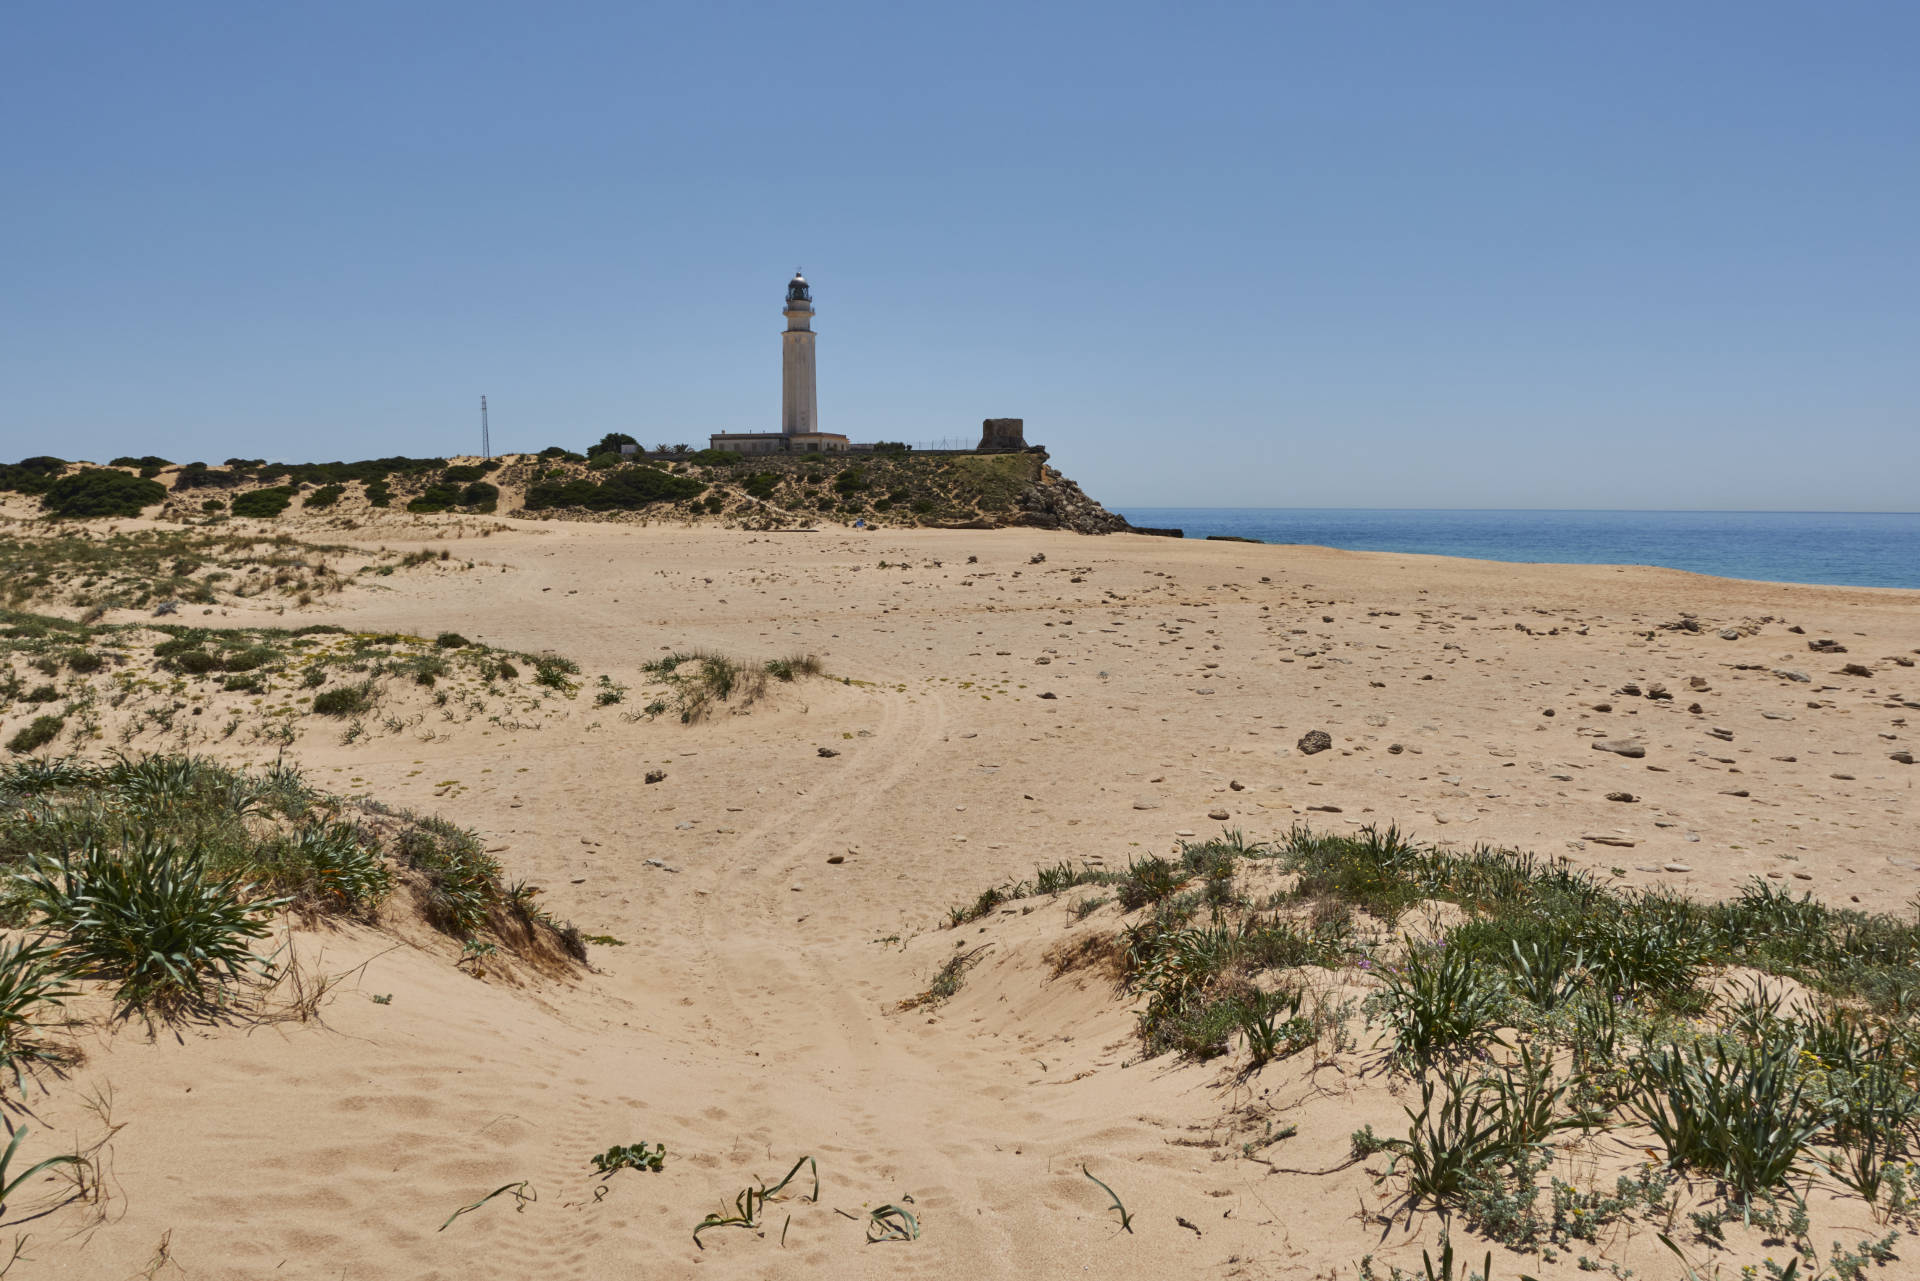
[1054, 502]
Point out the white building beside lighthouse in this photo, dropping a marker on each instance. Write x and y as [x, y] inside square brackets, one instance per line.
[799, 394]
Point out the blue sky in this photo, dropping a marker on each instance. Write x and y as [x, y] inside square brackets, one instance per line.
[1625, 255]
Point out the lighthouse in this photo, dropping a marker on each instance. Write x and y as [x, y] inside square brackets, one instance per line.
[799, 401]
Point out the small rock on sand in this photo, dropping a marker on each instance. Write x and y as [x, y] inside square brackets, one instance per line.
[1622, 841]
[1218, 816]
[1147, 803]
[1314, 740]
[1632, 747]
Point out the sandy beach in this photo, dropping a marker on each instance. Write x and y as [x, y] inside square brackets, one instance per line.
[992, 702]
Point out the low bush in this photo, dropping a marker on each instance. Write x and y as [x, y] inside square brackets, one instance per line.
[324, 497]
[31, 475]
[42, 730]
[345, 700]
[84, 661]
[262, 504]
[99, 491]
[626, 488]
[609, 444]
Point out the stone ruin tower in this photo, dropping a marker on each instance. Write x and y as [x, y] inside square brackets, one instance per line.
[1003, 434]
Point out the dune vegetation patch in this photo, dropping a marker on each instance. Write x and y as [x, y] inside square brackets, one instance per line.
[167, 569]
[1571, 1059]
[170, 685]
[156, 880]
[691, 685]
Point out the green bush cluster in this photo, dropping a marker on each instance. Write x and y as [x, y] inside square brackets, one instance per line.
[366, 471]
[100, 491]
[607, 444]
[445, 495]
[31, 475]
[626, 488]
[36, 734]
[262, 504]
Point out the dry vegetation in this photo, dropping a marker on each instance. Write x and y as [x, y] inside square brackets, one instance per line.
[165, 685]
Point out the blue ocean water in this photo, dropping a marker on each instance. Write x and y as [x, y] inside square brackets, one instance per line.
[1875, 549]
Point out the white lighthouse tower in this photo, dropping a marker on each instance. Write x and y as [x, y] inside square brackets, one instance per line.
[799, 401]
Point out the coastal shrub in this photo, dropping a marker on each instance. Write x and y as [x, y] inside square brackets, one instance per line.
[760, 484]
[152, 918]
[480, 496]
[100, 491]
[345, 700]
[324, 497]
[31, 475]
[451, 640]
[41, 694]
[84, 660]
[610, 444]
[193, 662]
[437, 497]
[32, 737]
[379, 494]
[627, 488]
[150, 462]
[262, 504]
[462, 473]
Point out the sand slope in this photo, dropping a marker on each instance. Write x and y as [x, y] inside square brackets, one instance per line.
[752, 1015]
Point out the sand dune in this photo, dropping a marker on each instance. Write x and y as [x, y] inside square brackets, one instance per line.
[751, 1013]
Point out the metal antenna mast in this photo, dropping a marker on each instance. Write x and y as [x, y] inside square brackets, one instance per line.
[486, 441]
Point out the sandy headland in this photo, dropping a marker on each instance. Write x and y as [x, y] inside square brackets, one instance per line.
[988, 703]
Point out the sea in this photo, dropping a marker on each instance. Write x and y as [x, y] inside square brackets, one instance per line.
[1851, 549]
